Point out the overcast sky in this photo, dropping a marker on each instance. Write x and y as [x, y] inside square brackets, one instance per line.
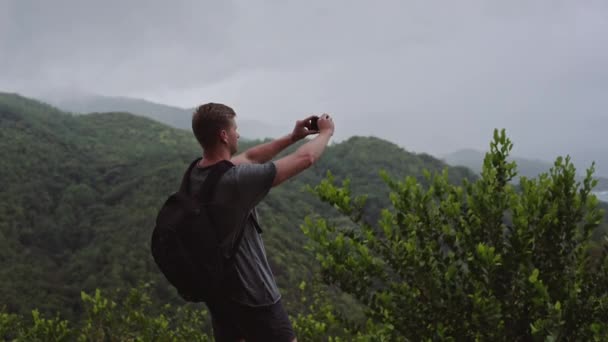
[432, 76]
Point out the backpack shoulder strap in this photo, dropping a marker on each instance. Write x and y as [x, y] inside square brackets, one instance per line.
[206, 191]
[183, 188]
[208, 187]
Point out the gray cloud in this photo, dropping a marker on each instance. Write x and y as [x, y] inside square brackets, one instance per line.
[433, 76]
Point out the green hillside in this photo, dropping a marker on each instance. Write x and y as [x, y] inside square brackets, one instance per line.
[80, 193]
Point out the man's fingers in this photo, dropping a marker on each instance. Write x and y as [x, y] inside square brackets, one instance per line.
[310, 118]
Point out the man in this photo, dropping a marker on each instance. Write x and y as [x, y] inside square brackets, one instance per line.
[251, 308]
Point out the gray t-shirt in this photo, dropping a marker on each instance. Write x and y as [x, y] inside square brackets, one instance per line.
[237, 193]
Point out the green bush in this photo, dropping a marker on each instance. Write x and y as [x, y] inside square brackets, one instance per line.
[129, 317]
[487, 260]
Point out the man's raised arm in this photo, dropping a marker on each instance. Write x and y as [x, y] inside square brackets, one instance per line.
[306, 155]
[265, 152]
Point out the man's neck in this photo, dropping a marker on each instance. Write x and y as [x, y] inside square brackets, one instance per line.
[211, 157]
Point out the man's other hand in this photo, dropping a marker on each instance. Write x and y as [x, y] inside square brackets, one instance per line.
[303, 128]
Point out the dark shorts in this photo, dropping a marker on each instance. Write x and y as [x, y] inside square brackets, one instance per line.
[232, 322]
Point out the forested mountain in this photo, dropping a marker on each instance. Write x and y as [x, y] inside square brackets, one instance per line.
[79, 195]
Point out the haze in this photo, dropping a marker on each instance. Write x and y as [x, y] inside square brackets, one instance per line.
[432, 76]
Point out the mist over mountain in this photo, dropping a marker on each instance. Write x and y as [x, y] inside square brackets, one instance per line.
[80, 102]
[534, 158]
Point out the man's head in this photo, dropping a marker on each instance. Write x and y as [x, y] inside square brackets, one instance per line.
[214, 127]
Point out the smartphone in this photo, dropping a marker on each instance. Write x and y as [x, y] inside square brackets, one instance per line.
[313, 124]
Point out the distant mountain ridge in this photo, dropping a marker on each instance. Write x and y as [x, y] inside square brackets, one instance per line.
[473, 159]
[76, 101]
[173, 116]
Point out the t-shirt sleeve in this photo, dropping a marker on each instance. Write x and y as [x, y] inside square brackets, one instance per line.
[253, 182]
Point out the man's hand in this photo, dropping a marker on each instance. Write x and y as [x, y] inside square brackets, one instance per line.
[265, 152]
[307, 154]
[303, 128]
[326, 124]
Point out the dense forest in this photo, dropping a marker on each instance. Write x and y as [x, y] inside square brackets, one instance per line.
[79, 195]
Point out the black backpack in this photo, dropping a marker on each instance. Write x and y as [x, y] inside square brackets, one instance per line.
[185, 242]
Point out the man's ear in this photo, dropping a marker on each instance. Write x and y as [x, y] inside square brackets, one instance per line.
[224, 136]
